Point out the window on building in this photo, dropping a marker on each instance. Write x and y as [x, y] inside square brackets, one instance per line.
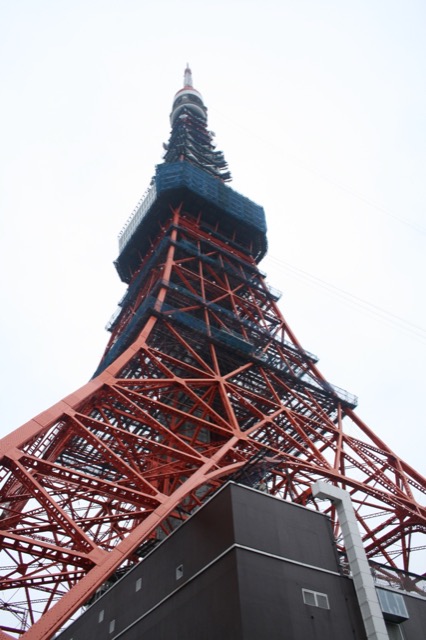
[392, 605]
[315, 599]
[138, 585]
[394, 631]
[179, 572]
[101, 615]
[112, 626]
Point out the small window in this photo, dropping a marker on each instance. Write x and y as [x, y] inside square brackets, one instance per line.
[138, 585]
[179, 572]
[322, 601]
[392, 605]
[394, 631]
[315, 599]
[101, 615]
[112, 626]
[309, 598]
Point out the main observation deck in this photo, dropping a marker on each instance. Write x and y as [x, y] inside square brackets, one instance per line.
[183, 182]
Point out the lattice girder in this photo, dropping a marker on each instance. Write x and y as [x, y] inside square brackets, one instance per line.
[202, 379]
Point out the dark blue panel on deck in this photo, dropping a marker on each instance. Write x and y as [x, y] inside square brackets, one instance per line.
[182, 174]
[181, 181]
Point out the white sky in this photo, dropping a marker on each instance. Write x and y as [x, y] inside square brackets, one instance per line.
[320, 109]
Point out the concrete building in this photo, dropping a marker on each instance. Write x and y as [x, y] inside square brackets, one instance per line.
[245, 566]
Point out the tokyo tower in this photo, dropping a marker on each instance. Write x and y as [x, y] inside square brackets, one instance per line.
[202, 381]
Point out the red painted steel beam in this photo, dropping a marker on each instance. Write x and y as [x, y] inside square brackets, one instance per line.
[214, 377]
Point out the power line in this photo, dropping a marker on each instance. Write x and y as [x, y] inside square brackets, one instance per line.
[355, 301]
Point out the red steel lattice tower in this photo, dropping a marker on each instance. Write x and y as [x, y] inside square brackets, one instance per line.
[202, 381]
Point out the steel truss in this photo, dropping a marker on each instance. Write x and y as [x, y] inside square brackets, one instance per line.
[207, 383]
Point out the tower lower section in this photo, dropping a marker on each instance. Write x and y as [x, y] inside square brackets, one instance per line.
[202, 381]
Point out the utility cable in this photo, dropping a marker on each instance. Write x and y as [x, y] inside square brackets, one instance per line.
[371, 308]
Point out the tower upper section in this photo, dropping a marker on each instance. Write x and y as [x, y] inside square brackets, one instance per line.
[193, 175]
[188, 100]
[190, 139]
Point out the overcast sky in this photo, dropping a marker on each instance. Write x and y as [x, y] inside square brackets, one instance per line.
[320, 110]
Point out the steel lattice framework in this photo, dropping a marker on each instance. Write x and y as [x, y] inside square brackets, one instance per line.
[212, 385]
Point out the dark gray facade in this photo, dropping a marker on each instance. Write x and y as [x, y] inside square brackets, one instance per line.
[246, 566]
